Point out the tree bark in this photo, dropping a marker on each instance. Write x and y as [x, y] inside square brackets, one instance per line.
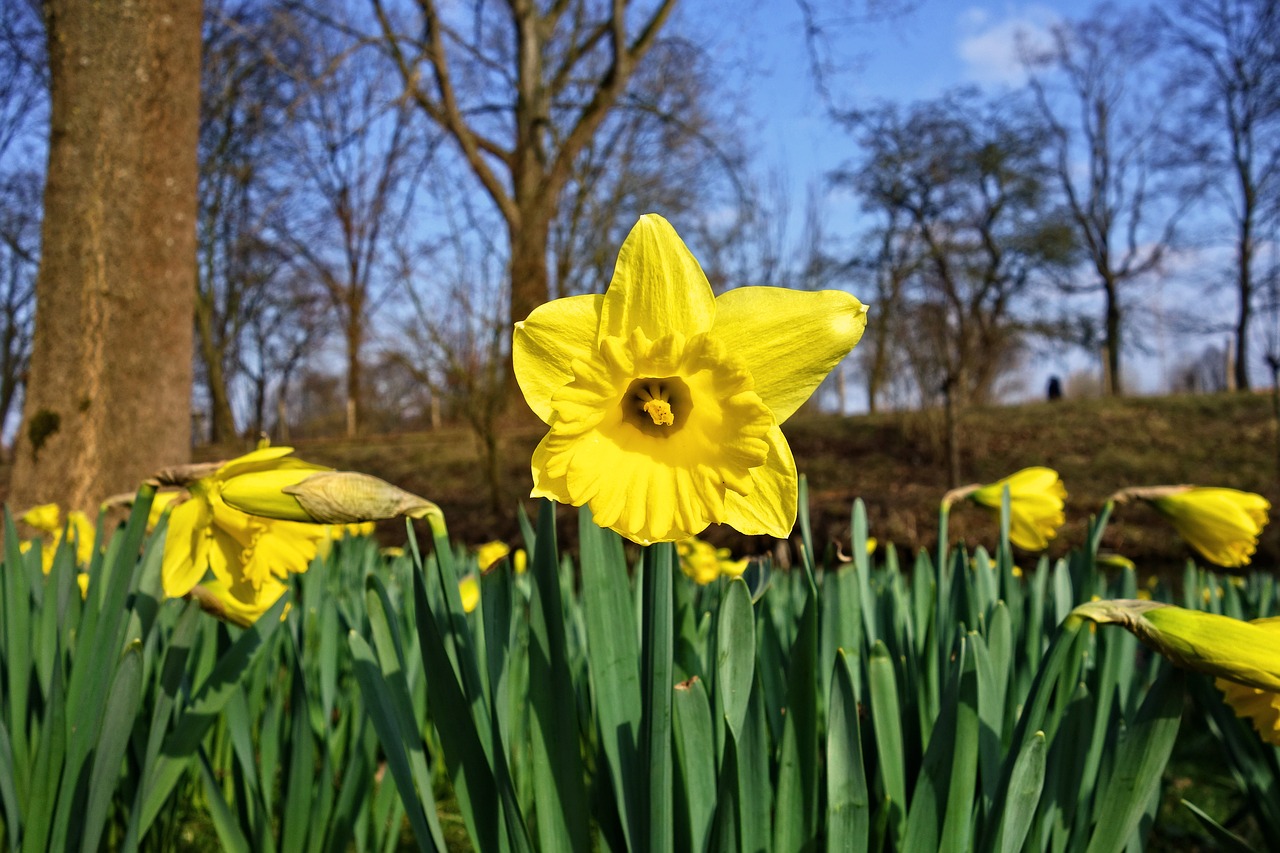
[1244, 288]
[109, 400]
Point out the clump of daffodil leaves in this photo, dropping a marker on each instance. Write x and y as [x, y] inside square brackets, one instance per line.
[665, 403]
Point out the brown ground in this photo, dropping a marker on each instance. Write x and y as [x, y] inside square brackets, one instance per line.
[894, 463]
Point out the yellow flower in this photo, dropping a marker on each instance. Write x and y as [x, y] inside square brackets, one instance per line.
[490, 553]
[469, 590]
[45, 517]
[520, 561]
[664, 403]
[1222, 524]
[205, 534]
[240, 603]
[1036, 497]
[159, 504]
[703, 562]
[1246, 653]
[1260, 707]
[872, 544]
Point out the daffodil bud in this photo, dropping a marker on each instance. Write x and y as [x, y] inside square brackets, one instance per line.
[1245, 653]
[344, 497]
[263, 493]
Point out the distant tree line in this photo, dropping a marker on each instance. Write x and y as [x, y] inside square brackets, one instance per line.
[384, 186]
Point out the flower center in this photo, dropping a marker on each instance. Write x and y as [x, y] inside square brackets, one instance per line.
[657, 406]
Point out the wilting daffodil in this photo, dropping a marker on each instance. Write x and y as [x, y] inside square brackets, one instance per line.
[1243, 657]
[247, 554]
[1222, 524]
[704, 562]
[1036, 497]
[664, 403]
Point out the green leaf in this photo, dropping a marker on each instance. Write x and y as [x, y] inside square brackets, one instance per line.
[380, 708]
[695, 767]
[848, 801]
[1025, 783]
[886, 719]
[735, 655]
[1140, 760]
[1227, 839]
[224, 822]
[614, 664]
[796, 817]
[204, 709]
[559, 793]
[117, 724]
[657, 654]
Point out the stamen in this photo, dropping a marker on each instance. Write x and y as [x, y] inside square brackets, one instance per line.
[660, 411]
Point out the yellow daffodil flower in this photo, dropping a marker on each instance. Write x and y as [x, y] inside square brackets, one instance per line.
[490, 553]
[664, 403]
[469, 590]
[1259, 707]
[159, 503]
[1036, 497]
[205, 534]
[520, 561]
[82, 581]
[240, 603]
[1246, 653]
[1222, 524]
[46, 518]
[1243, 657]
[702, 562]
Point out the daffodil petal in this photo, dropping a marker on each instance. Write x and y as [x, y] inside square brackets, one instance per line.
[657, 286]
[770, 507]
[185, 549]
[789, 339]
[546, 344]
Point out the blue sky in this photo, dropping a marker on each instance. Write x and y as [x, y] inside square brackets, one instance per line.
[921, 54]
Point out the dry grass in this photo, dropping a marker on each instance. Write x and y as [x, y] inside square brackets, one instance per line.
[894, 463]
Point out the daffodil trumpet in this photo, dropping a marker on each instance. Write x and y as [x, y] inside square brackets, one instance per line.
[1222, 524]
[1036, 500]
[664, 403]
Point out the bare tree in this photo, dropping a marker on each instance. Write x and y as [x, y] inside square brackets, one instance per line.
[247, 94]
[360, 156]
[24, 117]
[1094, 87]
[965, 184]
[1230, 78]
[522, 89]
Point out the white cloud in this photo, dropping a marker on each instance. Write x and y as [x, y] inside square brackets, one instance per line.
[990, 46]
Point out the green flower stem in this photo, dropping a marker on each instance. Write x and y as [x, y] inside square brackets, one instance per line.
[656, 685]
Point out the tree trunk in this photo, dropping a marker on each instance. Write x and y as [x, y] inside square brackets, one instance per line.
[1245, 287]
[529, 286]
[109, 400]
[1112, 382]
[355, 336]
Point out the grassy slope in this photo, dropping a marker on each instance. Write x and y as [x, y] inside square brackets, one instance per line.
[894, 463]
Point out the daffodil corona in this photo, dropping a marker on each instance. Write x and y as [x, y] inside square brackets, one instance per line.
[664, 403]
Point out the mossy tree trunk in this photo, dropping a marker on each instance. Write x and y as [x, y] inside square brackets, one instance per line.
[109, 397]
